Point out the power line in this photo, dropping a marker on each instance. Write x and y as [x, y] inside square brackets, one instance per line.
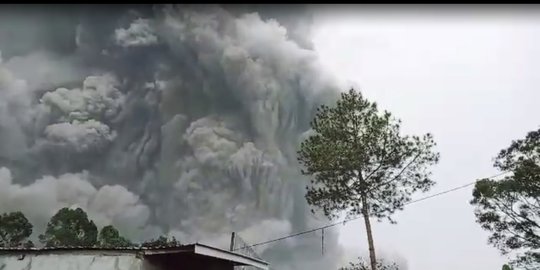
[355, 218]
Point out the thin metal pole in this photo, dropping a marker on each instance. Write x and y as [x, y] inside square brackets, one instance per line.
[232, 240]
[322, 242]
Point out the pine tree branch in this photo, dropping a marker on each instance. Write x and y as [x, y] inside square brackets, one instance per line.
[398, 175]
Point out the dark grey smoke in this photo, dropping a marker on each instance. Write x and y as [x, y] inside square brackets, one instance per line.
[163, 119]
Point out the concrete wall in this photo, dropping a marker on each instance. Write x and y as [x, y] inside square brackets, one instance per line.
[107, 261]
[72, 262]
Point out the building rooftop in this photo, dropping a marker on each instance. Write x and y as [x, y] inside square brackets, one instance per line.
[148, 252]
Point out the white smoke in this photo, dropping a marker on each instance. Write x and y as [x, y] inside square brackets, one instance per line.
[194, 136]
[75, 123]
[44, 197]
[36, 70]
[81, 136]
[212, 143]
[275, 228]
[98, 97]
[139, 33]
[15, 108]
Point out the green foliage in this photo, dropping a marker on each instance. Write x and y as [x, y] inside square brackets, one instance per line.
[361, 164]
[162, 241]
[358, 153]
[506, 267]
[28, 244]
[110, 237]
[510, 208]
[14, 230]
[66, 228]
[363, 265]
[70, 227]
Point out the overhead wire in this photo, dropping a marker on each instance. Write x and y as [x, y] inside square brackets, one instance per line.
[360, 216]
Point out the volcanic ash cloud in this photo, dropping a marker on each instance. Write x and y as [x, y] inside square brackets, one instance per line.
[179, 120]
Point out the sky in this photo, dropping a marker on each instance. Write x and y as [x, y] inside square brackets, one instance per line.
[470, 77]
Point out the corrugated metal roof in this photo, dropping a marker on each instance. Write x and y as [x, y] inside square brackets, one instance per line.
[134, 248]
[200, 249]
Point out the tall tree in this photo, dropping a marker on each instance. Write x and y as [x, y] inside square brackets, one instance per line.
[360, 163]
[14, 230]
[510, 208]
[110, 237]
[70, 227]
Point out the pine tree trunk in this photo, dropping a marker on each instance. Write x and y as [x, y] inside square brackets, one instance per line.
[365, 213]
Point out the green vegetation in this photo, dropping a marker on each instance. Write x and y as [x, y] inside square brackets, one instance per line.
[363, 265]
[110, 237]
[15, 229]
[162, 241]
[510, 208]
[68, 228]
[359, 162]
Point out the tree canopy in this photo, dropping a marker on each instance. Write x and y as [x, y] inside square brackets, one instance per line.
[363, 265]
[359, 162]
[14, 230]
[510, 208]
[162, 241]
[70, 227]
[506, 267]
[110, 237]
[357, 151]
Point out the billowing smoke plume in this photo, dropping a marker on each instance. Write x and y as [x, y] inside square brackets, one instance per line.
[170, 119]
[40, 200]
